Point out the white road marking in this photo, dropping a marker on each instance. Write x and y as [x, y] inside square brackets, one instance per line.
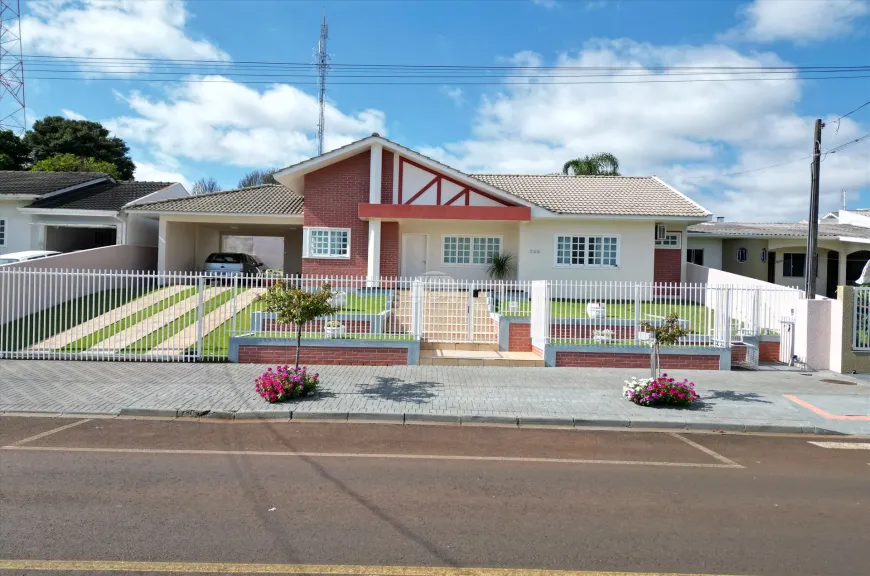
[843, 445]
[49, 433]
[382, 456]
[705, 450]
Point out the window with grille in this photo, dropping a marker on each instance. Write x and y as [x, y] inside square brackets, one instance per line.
[470, 249]
[327, 242]
[598, 251]
[669, 240]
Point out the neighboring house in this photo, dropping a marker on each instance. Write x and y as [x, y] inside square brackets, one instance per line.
[374, 208]
[69, 211]
[776, 252]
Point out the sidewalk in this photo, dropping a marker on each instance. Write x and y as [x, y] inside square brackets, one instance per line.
[734, 401]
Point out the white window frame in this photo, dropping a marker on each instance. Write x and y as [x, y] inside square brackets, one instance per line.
[661, 242]
[471, 237]
[4, 230]
[306, 243]
[586, 238]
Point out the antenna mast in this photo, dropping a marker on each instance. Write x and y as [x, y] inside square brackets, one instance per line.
[12, 113]
[322, 65]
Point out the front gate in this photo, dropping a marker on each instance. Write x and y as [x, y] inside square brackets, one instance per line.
[458, 310]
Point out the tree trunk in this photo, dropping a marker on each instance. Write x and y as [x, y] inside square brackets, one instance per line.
[298, 343]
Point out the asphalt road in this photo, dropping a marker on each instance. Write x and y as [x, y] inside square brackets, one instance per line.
[350, 498]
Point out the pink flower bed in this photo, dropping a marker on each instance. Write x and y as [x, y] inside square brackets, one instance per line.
[661, 391]
[284, 383]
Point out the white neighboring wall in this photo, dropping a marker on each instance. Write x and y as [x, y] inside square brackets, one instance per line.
[144, 231]
[853, 218]
[712, 248]
[18, 231]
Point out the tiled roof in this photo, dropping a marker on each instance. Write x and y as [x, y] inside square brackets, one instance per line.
[39, 183]
[827, 229]
[106, 195]
[610, 195]
[263, 199]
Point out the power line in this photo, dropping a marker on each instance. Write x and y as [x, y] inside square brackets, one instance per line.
[847, 114]
[848, 144]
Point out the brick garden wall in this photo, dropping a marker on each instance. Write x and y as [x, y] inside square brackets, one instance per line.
[667, 265]
[519, 337]
[617, 360]
[332, 196]
[768, 351]
[324, 355]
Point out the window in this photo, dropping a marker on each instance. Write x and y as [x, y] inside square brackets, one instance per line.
[327, 243]
[600, 251]
[695, 256]
[470, 249]
[2, 232]
[793, 265]
[742, 254]
[669, 240]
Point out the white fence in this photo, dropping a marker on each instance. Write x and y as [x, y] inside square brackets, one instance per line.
[56, 314]
[861, 319]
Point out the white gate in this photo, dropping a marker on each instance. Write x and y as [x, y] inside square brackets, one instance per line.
[861, 319]
[459, 310]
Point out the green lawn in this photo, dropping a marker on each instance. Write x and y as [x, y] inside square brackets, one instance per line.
[98, 336]
[364, 304]
[24, 332]
[699, 317]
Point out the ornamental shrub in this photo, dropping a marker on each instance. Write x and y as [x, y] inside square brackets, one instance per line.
[285, 382]
[661, 391]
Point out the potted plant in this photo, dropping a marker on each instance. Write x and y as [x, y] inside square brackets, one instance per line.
[297, 307]
[596, 310]
[335, 329]
[501, 266]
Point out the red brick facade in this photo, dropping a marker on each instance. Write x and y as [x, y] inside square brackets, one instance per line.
[387, 177]
[332, 195]
[768, 351]
[617, 360]
[324, 355]
[667, 265]
[519, 337]
[389, 248]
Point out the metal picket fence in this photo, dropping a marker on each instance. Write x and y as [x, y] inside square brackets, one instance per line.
[861, 319]
[186, 317]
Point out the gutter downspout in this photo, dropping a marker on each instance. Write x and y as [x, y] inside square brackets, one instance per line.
[122, 229]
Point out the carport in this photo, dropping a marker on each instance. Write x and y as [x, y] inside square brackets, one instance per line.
[267, 217]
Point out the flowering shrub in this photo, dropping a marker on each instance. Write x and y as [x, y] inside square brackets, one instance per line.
[659, 391]
[284, 383]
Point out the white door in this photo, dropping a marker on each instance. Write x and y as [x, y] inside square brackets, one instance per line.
[414, 255]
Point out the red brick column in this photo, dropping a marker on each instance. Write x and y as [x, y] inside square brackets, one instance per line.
[667, 265]
[519, 337]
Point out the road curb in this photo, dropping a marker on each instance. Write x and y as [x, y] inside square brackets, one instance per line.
[148, 412]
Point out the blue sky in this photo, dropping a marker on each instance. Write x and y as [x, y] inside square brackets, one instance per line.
[694, 135]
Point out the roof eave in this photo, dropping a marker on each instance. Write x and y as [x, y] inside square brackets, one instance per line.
[599, 216]
[68, 212]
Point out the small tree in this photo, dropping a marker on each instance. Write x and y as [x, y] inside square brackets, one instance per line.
[73, 163]
[297, 306]
[668, 334]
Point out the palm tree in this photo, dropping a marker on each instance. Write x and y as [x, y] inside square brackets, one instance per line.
[604, 164]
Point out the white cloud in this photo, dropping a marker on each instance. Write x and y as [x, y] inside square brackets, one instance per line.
[222, 121]
[113, 28]
[72, 115]
[454, 93]
[546, 3]
[799, 21]
[674, 130]
[146, 171]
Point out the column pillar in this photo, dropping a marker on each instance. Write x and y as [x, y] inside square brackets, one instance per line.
[374, 255]
[375, 174]
[841, 273]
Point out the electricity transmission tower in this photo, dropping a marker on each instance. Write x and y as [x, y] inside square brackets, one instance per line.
[322, 64]
[12, 114]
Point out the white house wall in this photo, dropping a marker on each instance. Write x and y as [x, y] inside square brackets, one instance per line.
[537, 257]
[141, 231]
[712, 248]
[437, 229]
[20, 235]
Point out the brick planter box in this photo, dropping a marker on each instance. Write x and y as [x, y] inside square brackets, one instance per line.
[252, 350]
[636, 357]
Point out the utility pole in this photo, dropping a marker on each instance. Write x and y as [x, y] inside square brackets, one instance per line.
[322, 64]
[812, 262]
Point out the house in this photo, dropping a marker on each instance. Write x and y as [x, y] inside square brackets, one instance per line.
[776, 252]
[70, 211]
[378, 209]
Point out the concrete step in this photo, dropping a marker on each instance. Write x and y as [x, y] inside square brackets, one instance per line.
[468, 346]
[442, 357]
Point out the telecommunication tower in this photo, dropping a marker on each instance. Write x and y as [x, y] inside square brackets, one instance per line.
[322, 64]
[12, 112]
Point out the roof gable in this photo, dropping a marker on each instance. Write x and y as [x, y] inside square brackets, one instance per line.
[36, 183]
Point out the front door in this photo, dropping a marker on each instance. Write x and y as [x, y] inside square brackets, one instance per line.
[414, 251]
[771, 267]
